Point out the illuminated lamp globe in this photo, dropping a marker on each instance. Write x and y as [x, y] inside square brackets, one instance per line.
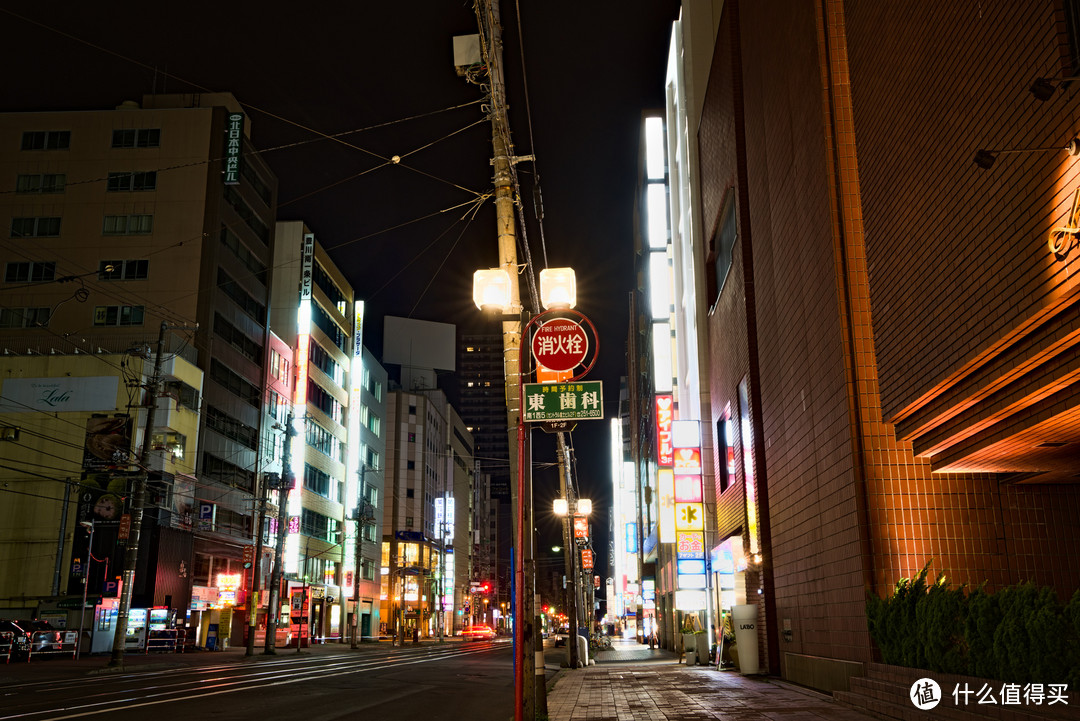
[560, 506]
[584, 506]
[491, 290]
[558, 288]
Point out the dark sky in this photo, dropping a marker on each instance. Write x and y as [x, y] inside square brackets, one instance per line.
[591, 67]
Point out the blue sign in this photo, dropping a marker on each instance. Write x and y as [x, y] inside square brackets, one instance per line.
[631, 537]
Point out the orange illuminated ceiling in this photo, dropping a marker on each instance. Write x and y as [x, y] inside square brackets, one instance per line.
[1015, 409]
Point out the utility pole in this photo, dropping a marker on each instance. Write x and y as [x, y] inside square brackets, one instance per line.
[361, 506]
[490, 25]
[288, 480]
[138, 502]
[569, 553]
[256, 567]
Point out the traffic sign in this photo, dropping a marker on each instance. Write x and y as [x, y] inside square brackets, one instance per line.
[579, 401]
[560, 344]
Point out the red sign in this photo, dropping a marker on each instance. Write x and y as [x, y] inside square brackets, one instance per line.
[586, 559]
[688, 461]
[125, 526]
[581, 527]
[560, 344]
[249, 556]
[665, 413]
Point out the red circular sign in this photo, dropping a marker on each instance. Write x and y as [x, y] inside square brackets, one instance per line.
[560, 344]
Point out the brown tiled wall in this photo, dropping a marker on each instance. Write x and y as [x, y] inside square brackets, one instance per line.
[957, 256]
[852, 509]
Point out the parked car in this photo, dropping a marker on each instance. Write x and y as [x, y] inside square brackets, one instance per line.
[478, 633]
[20, 637]
[43, 635]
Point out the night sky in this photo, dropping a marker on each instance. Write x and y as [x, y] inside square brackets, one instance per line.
[400, 232]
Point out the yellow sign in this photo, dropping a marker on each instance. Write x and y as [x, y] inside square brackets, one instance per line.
[689, 517]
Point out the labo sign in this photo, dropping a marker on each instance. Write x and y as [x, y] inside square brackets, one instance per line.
[744, 618]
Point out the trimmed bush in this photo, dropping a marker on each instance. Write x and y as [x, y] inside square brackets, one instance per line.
[1021, 634]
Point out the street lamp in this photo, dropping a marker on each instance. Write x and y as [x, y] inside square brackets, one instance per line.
[583, 508]
[493, 292]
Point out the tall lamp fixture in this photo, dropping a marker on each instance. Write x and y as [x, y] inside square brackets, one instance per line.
[492, 293]
[985, 158]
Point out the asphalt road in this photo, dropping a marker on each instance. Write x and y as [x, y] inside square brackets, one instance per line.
[455, 681]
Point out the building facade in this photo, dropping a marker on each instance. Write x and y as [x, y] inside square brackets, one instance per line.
[138, 209]
[335, 408]
[885, 321]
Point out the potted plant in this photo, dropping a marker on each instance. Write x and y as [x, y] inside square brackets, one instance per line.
[689, 640]
[730, 653]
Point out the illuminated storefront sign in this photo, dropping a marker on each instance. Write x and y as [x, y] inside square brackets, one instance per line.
[665, 413]
[234, 147]
[581, 528]
[353, 459]
[300, 360]
[690, 567]
[689, 516]
[1064, 238]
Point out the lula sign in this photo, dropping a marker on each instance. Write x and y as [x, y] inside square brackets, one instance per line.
[97, 393]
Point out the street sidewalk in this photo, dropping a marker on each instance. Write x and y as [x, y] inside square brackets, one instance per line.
[632, 682]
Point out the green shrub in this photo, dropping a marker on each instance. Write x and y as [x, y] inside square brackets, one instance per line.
[1021, 634]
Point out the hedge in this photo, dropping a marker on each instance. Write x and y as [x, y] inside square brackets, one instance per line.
[1020, 634]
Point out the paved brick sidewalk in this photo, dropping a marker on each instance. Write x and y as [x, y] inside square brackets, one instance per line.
[666, 691]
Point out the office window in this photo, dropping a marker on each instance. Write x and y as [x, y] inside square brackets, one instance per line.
[118, 315]
[279, 367]
[408, 521]
[123, 269]
[46, 140]
[132, 182]
[317, 481]
[35, 227]
[237, 338]
[24, 317]
[240, 387]
[137, 138]
[128, 225]
[721, 249]
[30, 272]
[41, 183]
[231, 428]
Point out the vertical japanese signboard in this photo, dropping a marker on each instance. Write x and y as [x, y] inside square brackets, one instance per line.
[691, 578]
[234, 147]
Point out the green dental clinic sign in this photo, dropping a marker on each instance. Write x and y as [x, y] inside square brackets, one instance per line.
[579, 401]
[234, 137]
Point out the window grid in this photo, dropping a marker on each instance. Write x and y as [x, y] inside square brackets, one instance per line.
[41, 183]
[30, 272]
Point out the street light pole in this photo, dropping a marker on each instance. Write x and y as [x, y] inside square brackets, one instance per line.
[288, 479]
[86, 582]
[256, 567]
[138, 501]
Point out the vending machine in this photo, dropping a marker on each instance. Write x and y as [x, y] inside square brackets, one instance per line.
[135, 636]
